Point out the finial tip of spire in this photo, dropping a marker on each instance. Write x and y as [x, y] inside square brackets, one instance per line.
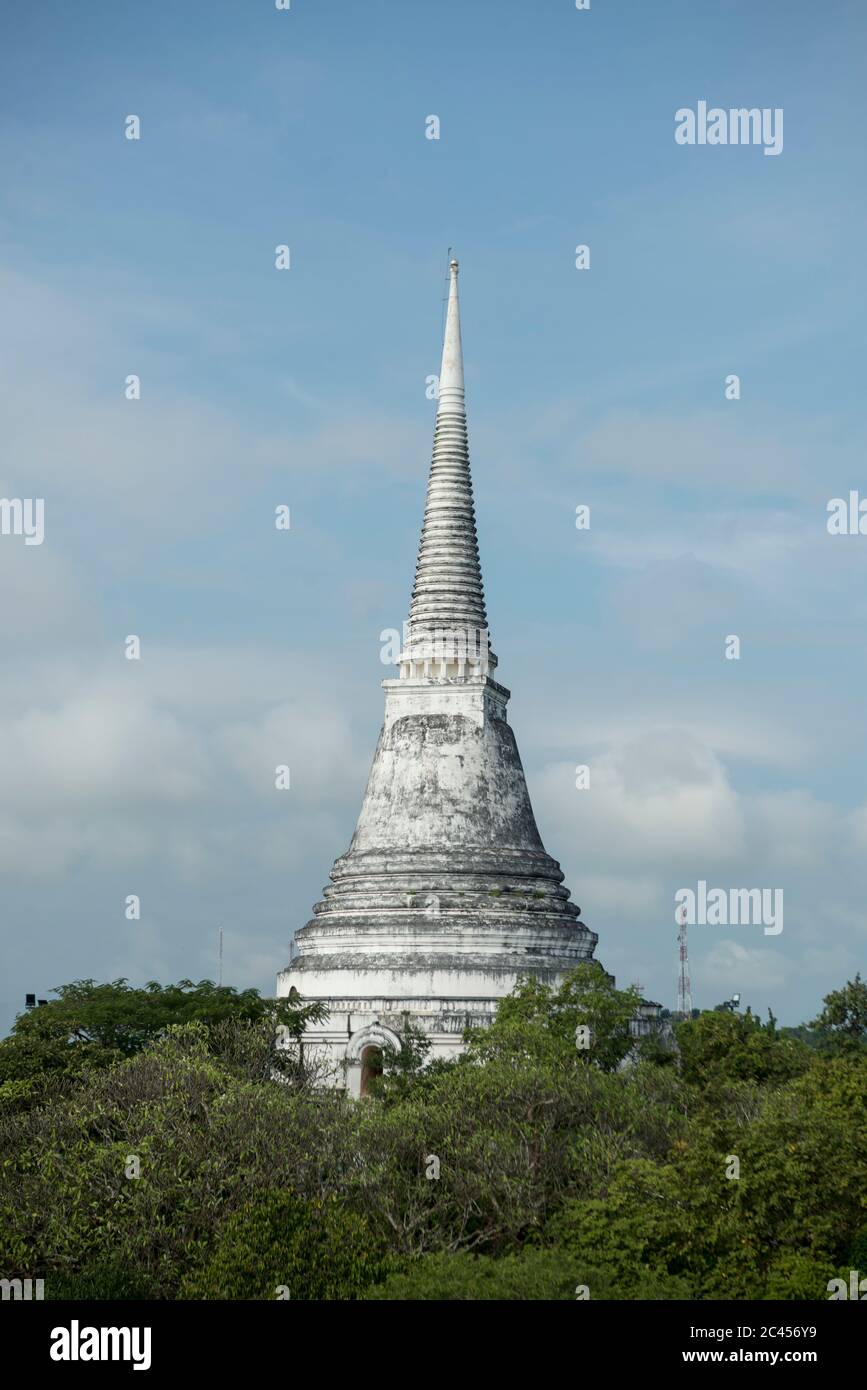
[453, 265]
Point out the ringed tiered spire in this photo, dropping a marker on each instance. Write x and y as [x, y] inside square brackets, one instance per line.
[446, 896]
[448, 597]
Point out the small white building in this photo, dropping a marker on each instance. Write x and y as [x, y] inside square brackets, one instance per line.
[446, 896]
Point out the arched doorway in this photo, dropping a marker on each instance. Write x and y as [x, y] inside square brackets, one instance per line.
[371, 1067]
[363, 1056]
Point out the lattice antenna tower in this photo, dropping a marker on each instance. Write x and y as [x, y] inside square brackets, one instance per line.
[684, 988]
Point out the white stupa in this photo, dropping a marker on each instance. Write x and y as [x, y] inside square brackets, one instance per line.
[445, 897]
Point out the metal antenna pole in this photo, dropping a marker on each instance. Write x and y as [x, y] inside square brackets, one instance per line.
[684, 988]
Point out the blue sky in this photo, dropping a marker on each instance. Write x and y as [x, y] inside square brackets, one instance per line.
[307, 387]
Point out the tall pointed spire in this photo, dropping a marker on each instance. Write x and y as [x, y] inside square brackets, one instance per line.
[447, 596]
[446, 896]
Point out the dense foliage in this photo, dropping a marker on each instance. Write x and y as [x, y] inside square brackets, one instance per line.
[155, 1144]
[90, 1027]
[279, 1246]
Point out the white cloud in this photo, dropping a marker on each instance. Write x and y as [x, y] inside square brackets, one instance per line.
[792, 829]
[663, 800]
[138, 759]
[313, 740]
[104, 746]
[617, 895]
[858, 827]
[737, 968]
[716, 448]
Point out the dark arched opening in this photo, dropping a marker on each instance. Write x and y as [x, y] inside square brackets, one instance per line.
[371, 1067]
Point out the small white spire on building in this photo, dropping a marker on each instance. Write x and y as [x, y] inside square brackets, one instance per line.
[451, 388]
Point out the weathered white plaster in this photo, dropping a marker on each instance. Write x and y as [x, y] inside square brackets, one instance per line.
[446, 896]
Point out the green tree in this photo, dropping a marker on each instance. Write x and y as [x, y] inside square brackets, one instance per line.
[843, 1021]
[306, 1250]
[513, 1137]
[720, 1047]
[536, 1020]
[92, 1026]
[141, 1163]
[401, 1066]
[184, 1161]
[803, 1163]
[532, 1274]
